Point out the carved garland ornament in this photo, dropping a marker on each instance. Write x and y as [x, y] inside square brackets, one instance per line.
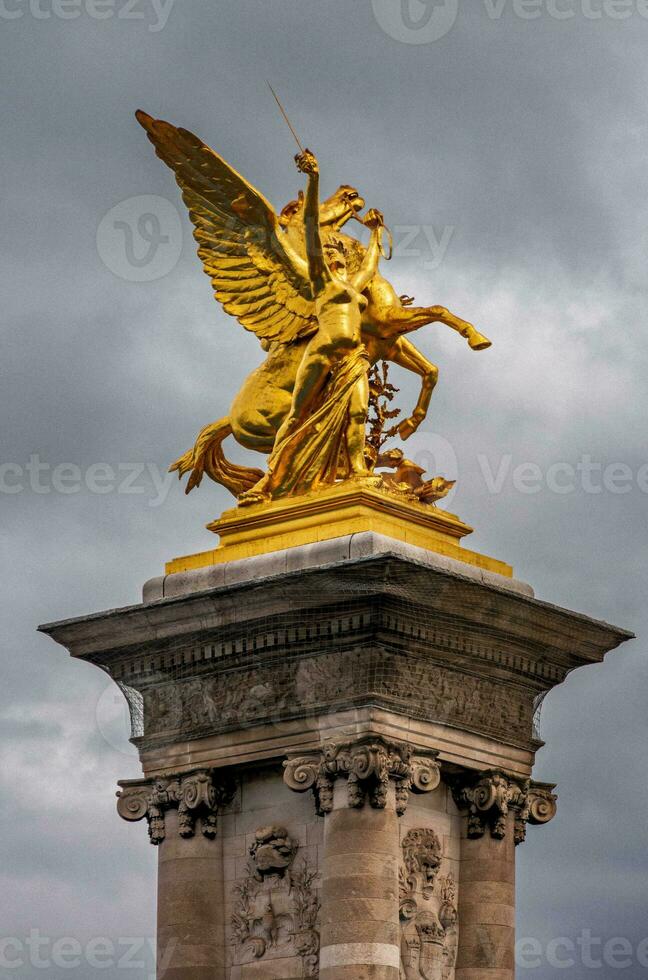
[276, 905]
[368, 765]
[490, 796]
[194, 795]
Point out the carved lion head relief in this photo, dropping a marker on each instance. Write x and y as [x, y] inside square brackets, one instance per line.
[422, 853]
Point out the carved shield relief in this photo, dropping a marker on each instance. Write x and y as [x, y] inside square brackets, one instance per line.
[428, 910]
[276, 905]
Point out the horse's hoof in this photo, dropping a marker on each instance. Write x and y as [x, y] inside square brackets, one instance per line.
[477, 341]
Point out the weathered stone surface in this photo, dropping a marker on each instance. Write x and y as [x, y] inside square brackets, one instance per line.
[191, 935]
[359, 929]
[400, 688]
[486, 909]
[419, 640]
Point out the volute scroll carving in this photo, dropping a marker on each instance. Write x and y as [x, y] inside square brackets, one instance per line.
[488, 798]
[540, 806]
[368, 765]
[197, 796]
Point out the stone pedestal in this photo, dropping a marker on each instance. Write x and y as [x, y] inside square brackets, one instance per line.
[337, 744]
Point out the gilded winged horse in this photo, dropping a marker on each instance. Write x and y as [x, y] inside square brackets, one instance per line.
[257, 264]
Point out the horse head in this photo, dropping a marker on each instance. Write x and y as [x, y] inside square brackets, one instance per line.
[335, 211]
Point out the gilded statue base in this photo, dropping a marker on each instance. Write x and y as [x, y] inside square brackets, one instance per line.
[346, 508]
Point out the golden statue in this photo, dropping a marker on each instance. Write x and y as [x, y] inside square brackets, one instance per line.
[325, 315]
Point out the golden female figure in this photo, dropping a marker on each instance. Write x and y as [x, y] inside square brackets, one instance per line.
[323, 434]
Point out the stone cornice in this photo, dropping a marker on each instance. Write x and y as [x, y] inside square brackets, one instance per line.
[387, 632]
[376, 620]
[571, 637]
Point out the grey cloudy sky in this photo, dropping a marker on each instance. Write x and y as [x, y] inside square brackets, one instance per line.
[516, 142]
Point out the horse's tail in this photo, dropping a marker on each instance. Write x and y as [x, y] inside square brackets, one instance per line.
[207, 456]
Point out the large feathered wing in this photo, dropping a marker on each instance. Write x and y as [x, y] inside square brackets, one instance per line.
[256, 276]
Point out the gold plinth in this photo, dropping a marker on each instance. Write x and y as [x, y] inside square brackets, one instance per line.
[333, 513]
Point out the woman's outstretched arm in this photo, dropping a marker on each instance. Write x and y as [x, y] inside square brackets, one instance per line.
[317, 268]
[374, 220]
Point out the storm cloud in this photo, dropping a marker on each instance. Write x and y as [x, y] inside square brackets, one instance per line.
[509, 156]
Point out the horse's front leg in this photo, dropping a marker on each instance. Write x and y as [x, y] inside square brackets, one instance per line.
[476, 340]
[405, 354]
[400, 320]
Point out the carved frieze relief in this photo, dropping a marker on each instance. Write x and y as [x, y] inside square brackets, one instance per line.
[284, 689]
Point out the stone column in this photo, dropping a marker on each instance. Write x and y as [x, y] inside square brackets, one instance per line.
[191, 917]
[487, 908]
[361, 788]
[181, 812]
[498, 809]
[360, 917]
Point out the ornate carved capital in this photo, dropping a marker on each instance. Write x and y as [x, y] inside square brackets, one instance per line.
[540, 806]
[368, 764]
[489, 796]
[197, 794]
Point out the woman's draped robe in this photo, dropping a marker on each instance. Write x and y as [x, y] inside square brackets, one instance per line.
[315, 451]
